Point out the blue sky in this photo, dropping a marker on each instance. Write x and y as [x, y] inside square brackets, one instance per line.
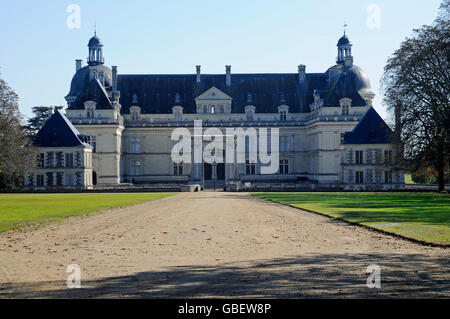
[172, 36]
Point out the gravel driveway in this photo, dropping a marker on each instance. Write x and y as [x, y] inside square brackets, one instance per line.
[216, 245]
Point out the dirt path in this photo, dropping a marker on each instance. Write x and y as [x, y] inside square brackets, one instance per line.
[216, 245]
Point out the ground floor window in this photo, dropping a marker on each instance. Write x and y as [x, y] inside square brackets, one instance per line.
[68, 179]
[40, 180]
[250, 168]
[178, 169]
[135, 167]
[359, 177]
[388, 177]
[284, 167]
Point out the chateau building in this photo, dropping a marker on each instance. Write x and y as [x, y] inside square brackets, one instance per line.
[330, 136]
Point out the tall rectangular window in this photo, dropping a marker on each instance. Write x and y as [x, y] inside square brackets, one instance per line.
[284, 143]
[39, 180]
[359, 177]
[359, 157]
[135, 145]
[388, 157]
[41, 160]
[283, 115]
[135, 167]
[388, 177]
[178, 169]
[284, 167]
[250, 168]
[69, 160]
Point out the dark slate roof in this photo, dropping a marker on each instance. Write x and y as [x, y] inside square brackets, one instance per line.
[371, 129]
[343, 40]
[59, 132]
[350, 82]
[96, 92]
[155, 93]
[80, 80]
[95, 41]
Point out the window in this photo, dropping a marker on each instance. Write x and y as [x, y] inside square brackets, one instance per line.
[90, 112]
[342, 137]
[40, 180]
[205, 109]
[178, 169]
[69, 179]
[222, 109]
[41, 160]
[345, 109]
[250, 168]
[213, 109]
[359, 157]
[284, 143]
[388, 157]
[50, 159]
[135, 145]
[135, 167]
[59, 159]
[284, 167]
[49, 178]
[69, 160]
[92, 140]
[388, 177]
[283, 115]
[359, 177]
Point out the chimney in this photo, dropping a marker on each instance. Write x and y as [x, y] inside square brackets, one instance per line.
[228, 75]
[114, 78]
[78, 65]
[301, 73]
[198, 73]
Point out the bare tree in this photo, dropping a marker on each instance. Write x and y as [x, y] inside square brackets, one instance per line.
[16, 153]
[416, 86]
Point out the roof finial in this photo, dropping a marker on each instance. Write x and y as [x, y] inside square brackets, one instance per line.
[95, 29]
[345, 26]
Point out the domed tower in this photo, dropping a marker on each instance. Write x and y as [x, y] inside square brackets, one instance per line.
[95, 51]
[344, 49]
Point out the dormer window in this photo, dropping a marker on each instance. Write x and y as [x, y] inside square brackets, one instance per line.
[135, 112]
[345, 106]
[90, 109]
[283, 111]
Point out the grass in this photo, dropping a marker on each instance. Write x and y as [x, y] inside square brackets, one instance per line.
[420, 216]
[19, 210]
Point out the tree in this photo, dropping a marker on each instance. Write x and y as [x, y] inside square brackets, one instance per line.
[16, 153]
[40, 115]
[416, 85]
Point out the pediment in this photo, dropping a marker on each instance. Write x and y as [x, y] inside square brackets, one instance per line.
[213, 94]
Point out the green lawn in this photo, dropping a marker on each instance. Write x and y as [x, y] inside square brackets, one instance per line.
[422, 216]
[18, 210]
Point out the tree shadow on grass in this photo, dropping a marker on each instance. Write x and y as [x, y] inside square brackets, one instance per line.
[310, 276]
